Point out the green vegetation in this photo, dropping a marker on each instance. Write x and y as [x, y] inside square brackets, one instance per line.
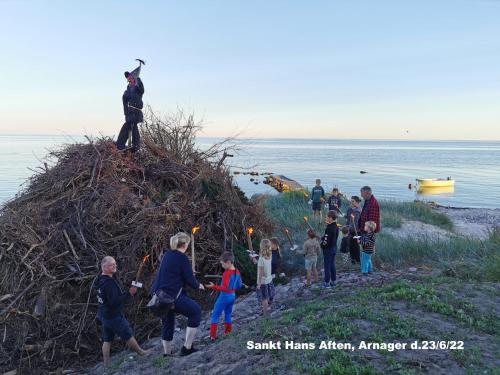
[390, 313]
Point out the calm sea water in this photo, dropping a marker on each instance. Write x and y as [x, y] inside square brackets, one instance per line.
[391, 165]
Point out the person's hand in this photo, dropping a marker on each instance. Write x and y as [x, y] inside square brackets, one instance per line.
[132, 290]
[209, 285]
[258, 286]
[201, 287]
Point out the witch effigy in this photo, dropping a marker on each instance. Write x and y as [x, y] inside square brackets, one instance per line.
[132, 109]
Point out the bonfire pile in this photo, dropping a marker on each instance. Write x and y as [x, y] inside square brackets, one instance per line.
[95, 201]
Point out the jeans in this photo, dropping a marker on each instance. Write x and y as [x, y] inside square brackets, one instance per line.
[329, 264]
[366, 262]
[184, 306]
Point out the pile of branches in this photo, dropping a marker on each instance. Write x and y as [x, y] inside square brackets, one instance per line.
[94, 201]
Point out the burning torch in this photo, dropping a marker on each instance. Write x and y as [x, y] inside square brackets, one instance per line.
[306, 220]
[138, 275]
[193, 232]
[249, 242]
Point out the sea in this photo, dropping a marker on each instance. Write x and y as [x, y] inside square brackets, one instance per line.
[390, 168]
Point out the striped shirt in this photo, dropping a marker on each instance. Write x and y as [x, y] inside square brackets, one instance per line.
[368, 242]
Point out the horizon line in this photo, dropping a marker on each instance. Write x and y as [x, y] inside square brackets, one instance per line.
[283, 138]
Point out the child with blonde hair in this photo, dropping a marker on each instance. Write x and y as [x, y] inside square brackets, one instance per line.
[367, 242]
[265, 286]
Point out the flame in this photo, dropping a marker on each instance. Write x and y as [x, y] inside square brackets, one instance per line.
[145, 259]
[250, 231]
[286, 230]
[305, 194]
[195, 229]
[352, 216]
[306, 218]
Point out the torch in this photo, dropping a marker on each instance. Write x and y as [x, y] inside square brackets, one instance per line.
[306, 219]
[193, 232]
[292, 246]
[338, 210]
[250, 245]
[138, 275]
[354, 225]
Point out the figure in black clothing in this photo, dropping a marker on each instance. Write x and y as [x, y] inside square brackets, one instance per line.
[329, 246]
[174, 274]
[132, 109]
[334, 201]
[276, 256]
[110, 299]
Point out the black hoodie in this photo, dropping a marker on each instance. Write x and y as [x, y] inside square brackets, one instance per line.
[110, 297]
[330, 237]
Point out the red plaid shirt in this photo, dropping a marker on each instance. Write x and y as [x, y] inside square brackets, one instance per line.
[370, 212]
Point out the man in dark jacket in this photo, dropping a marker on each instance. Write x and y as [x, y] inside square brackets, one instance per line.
[370, 211]
[110, 299]
[132, 108]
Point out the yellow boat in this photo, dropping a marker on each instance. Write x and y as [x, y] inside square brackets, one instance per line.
[435, 182]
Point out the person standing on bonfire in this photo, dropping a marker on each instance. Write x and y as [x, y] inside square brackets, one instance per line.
[132, 109]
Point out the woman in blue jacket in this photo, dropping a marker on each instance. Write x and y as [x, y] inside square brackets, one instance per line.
[174, 274]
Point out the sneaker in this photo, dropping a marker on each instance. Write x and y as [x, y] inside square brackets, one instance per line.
[326, 285]
[185, 351]
[332, 284]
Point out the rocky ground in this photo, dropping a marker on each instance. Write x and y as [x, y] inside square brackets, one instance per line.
[473, 222]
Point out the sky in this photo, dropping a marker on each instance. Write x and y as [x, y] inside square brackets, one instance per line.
[257, 69]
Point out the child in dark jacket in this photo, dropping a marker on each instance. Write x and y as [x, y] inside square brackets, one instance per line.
[334, 201]
[329, 246]
[231, 281]
[344, 244]
[276, 256]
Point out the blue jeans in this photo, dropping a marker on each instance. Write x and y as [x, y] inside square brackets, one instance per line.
[184, 306]
[329, 264]
[366, 262]
[223, 304]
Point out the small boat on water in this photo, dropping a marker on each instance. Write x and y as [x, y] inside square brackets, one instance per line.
[435, 182]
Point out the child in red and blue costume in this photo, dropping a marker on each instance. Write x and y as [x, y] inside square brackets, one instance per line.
[231, 281]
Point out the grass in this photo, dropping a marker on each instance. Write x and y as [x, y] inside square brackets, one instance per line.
[373, 315]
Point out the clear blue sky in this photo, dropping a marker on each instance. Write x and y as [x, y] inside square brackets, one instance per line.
[328, 69]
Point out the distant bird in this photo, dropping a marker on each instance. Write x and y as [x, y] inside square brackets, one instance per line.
[363, 172]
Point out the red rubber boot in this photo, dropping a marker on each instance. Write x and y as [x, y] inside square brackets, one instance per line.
[228, 327]
[213, 331]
